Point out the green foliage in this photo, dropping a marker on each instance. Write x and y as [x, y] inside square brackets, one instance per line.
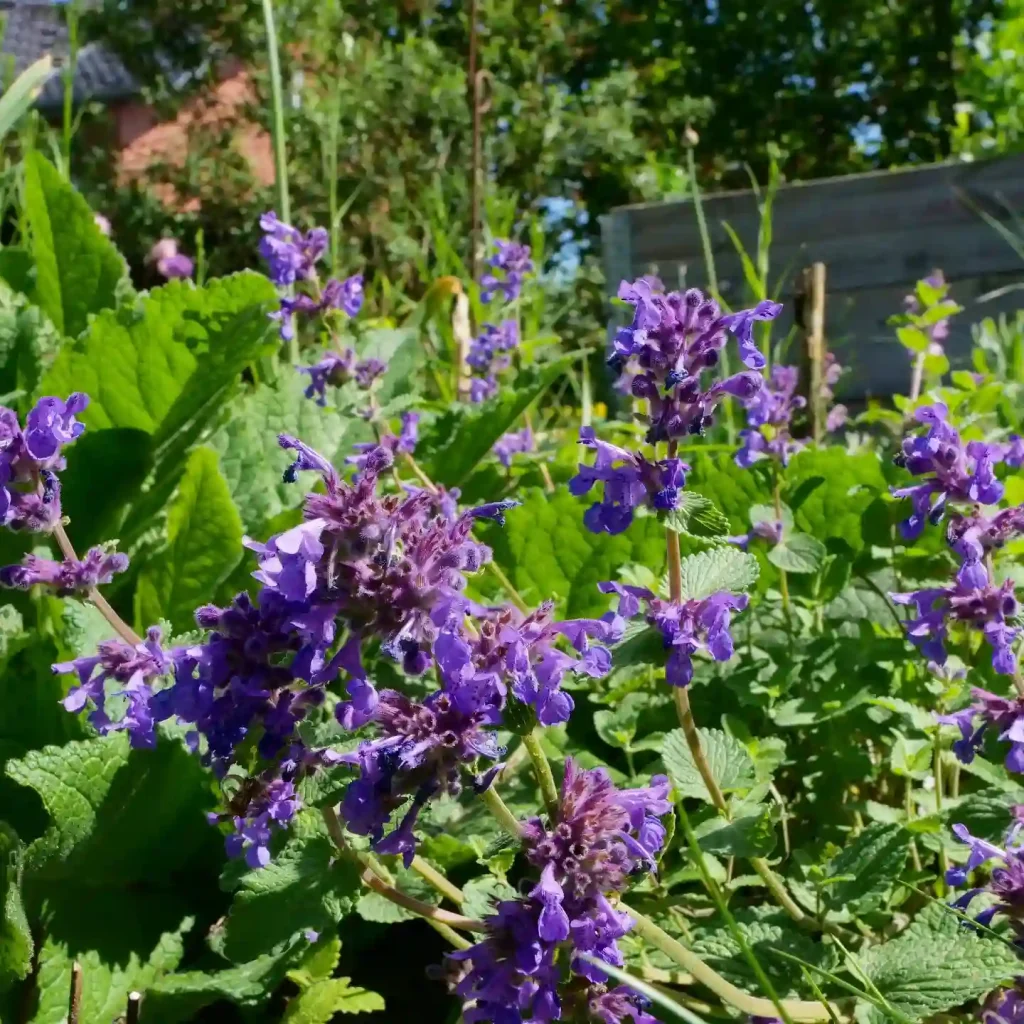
[77, 268]
[721, 568]
[697, 516]
[731, 764]
[864, 873]
[16, 944]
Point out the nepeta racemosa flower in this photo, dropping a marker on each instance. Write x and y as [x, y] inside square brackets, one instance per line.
[954, 472]
[1004, 1006]
[599, 837]
[132, 671]
[769, 419]
[509, 266]
[517, 442]
[686, 627]
[72, 576]
[291, 255]
[30, 459]
[170, 262]
[1006, 880]
[629, 481]
[972, 599]
[1004, 714]
[338, 368]
[489, 355]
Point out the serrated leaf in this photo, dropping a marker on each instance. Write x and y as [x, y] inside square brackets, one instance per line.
[77, 267]
[374, 907]
[767, 514]
[913, 338]
[752, 835]
[483, 894]
[319, 963]
[204, 544]
[318, 1003]
[16, 944]
[158, 365]
[799, 553]
[723, 568]
[870, 865]
[302, 888]
[697, 516]
[468, 434]
[926, 971]
[401, 351]
[252, 461]
[731, 764]
[547, 552]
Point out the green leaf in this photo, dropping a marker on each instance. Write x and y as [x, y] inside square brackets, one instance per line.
[798, 552]
[167, 360]
[547, 552]
[697, 516]
[124, 940]
[723, 568]
[179, 997]
[118, 816]
[374, 907]
[940, 311]
[252, 461]
[27, 341]
[911, 758]
[731, 765]
[302, 888]
[752, 835]
[937, 964]
[767, 514]
[319, 963]
[16, 944]
[401, 351]
[913, 338]
[483, 893]
[870, 866]
[204, 544]
[77, 266]
[468, 434]
[617, 725]
[323, 999]
[19, 96]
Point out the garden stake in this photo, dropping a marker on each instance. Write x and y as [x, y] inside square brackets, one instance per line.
[75, 997]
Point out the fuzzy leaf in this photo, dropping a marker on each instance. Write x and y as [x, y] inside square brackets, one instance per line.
[752, 835]
[873, 862]
[548, 552]
[697, 516]
[204, 544]
[77, 266]
[319, 963]
[318, 1003]
[722, 568]
[16, 944]
[483, 893]
[731, 764]
[798, 552]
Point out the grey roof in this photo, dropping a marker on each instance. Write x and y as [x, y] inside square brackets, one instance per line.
[34, 28]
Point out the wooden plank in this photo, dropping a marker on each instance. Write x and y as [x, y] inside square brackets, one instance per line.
[852, 205]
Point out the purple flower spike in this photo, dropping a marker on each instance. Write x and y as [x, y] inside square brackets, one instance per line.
[954, 472]
[488, 356]
[1003, 714]
[769, 419]
[290, 254]
[72, 576]
[689, 627]
[629, 481]
[513, 444]
[742, 326]
[1005, 1006]
[271, 811]
[508, 269]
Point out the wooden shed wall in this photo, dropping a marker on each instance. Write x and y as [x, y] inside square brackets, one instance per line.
[877, 234]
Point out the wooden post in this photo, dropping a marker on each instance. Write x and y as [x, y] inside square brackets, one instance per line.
[75, 995]
[134, 1008]
[811, 316]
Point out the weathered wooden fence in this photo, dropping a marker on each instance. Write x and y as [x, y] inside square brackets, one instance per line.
[877, 234]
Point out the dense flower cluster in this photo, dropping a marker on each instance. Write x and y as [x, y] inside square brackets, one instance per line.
[599, 837]
[629, 480]
[953, 471]
[1004, 714]
[338, 368]
[1004, 1006]
[769, 418]
[1006, 879]
[515, 443]
[71, 576]
[30, 459]
[508, 267]
[489, 355]
[686, 627]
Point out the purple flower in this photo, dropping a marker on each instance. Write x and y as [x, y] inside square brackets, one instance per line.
[170, 262]
[267, 812]
[290, 254]
[955, 472]
[512, 444]
[420, 751]
[488, 356]
[338, 368]
[72, 576]
[766, 529]
[629, 481]
[673, 340]
[838, 414]
[1004, 714]
[1004, 1006]
[618, 1005]
[345, 295]
[688, 627]
[973, 536]
[509, 266]
[1005, 883]
[135, 669]
[1013, 452]
[937, 332]
[31, 458]
[772, 407]
[972, 599]
[600, 835]
[409, 434]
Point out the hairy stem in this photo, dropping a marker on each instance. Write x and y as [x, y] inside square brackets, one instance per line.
[101, 604]
[546, 781]
[513, 594]
[433, 877]
[787, 609]
[798, 1009]
[908, 807]
[937, 771]
[499, 810]
[450, 934]
[918, 376]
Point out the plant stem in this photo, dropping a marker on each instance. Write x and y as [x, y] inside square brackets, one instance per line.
[99, 601]
[908, 807]
[373, 881]
[70, 71]
[546, 781]
[513, 594]
[499, 809]
[689, 724]
[450, 934]
[937, 771]
[918, 376]
[434, 877]
[798, 1009]
[783, 578]
[775, 886]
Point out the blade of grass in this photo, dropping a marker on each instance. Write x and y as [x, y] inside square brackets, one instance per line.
[659, 999]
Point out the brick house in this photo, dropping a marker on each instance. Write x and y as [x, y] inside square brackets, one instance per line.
[34, 28]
